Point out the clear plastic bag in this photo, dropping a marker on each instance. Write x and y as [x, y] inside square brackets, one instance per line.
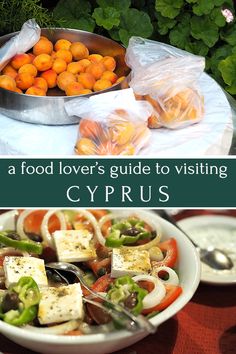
[112, 123]
[167, 78]
[21, 43]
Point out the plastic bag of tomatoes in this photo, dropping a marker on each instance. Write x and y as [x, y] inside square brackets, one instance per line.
[112, 123]
[167, 78]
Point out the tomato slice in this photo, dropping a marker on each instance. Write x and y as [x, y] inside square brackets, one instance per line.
[100, 285]
[172, 293]
[76, 332]
[96, 265]
[1, 260]
[169, 247]
[98, 214]
[32, 223]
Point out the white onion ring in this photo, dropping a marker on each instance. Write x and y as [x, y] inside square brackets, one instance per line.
[156, 295]
[47, 237]
[141, 215]
[173, 277]
[45, 234]
[58, 329]
[20, 223]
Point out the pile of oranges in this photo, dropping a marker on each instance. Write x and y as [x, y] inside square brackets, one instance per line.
[68, 66]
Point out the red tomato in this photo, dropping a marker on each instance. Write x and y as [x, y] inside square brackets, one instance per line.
[172, 293]
[96, 265]
[169, 247]
[32, 222]
[102, 283]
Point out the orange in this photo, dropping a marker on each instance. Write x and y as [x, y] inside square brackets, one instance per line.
[74, 88]
[28, 68]
[20, 59]
[10, 71]
[79, 51]
[85, 146]
[90, 129]
[59, 65]
[24, 80]
[36, 91]
[102, 84]
[43, 46]
[62, 44]
[7, 82]
[87, 80]
[64, 54]
[65, 79]
[41, 83]
[51, 77]
[43, 62]
[96, 69]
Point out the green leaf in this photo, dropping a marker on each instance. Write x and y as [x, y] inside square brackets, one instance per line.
[231, 89]
[121, 5]
[75, 14]
[107, 17]
[169, 8]
[197, 47]
[218, 55]
[179, 36]
[114, 34]
[227, 68]
[164, 23]
[204, 7]
[134, 23]
[217, 17]
[205, 29]
[229, 36]
[72, 8]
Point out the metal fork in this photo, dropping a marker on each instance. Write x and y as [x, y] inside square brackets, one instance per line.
[117, 312]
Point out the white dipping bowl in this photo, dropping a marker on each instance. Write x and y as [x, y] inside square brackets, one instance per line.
[189, 274]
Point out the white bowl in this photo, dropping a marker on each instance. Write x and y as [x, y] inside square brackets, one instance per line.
[189, 273]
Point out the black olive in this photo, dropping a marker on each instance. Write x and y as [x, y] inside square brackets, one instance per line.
[13, 235]
[153, 234]
[131, 301]
[102, 271]
[34, 237]
[10, 302]
[56, 278]
[132, 231]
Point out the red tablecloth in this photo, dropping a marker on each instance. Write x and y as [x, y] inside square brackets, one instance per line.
[206, 325]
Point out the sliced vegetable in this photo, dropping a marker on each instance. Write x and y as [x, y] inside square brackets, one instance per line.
[172, 277]
[103, 283]
[156, 295]
[100, 267]
[138, 216]
[22, 300]
[127, 232]
[169, 248]
[57, 329]
[23, 245]
[172, 293]
[125, 291]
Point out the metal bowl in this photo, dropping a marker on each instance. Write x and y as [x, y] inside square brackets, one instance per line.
[49, 110]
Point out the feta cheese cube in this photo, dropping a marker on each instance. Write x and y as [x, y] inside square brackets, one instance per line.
[17, 267]
[129, 262]
[60, 304]
[74, 245]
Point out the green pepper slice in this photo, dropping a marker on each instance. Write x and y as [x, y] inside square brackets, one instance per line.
[122, 288]
[127, 232]
[29, 296]
[23, 245]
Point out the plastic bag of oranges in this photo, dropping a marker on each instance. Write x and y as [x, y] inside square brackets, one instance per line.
[167, 78]
[112, 123]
